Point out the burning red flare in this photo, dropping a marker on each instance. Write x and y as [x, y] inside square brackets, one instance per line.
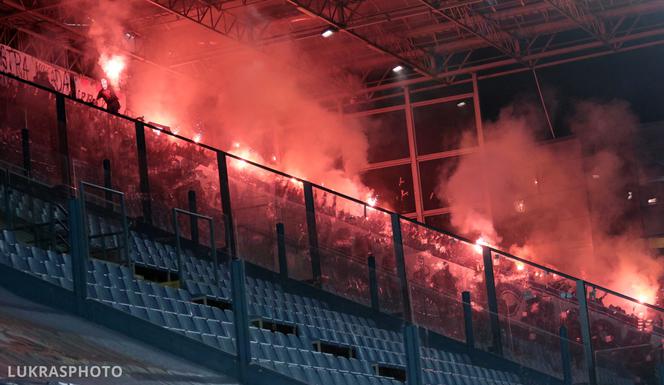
[113, 66]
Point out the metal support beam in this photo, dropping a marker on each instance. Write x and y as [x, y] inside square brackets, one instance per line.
[240, 317]
[79, 257]
[141, 149]
[468, 319]
[411, 341]
[312, 231]
[108, 183]
[397, 241]
[481, 26]
[212, 16]
[281, 250]
[226, 206]
[579, 12]
[373, 283]
[25, 145]
[492, 301]
[584, 320]
[335, 15]
[193, 220]
[565, 356]
[63, 146]
[37, 13]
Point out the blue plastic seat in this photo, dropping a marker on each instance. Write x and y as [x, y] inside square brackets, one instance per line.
[186, 322]
[9, 237]
[36, 266]
[297, 372]
[19, 263]
[215, 327]
[227, 344]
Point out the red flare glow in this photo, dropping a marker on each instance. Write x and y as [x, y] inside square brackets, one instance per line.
[113, 66]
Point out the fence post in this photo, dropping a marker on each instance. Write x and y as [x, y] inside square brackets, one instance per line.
[313, 233]
[584, 319]
[79, 258]
[226, 205]
[240, 317]
[193, 221]
[492, 301]
[178, 247]
[397, 240]
[412, 346]
[63, 146]
[8, 209]
[106, 165]
[565, 356]
[468, 319]
[141, 149]
[25, 142]
[373, 282]
[281, 250]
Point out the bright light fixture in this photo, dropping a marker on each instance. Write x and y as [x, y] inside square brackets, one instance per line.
[397, 68]
[461, 104]
[327, 33]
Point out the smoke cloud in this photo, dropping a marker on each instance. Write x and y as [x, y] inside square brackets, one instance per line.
[255, 103]
[566, 204]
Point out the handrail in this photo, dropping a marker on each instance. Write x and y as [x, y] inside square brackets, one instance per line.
[125, 226]
[322, 188]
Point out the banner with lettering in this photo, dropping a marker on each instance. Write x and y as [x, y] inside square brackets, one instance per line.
[29, 68]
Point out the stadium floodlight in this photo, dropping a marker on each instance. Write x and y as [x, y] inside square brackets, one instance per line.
[461, 103]
[397, 68]
[328, 32]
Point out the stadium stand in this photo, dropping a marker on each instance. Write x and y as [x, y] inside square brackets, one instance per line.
[332, 287]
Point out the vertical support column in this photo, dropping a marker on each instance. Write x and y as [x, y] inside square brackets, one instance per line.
[468, 319]
[313, 233]
[411, 342]
[63, 146]
[240, 317]
[412, 149]
[141, 149]
[226, 205]
[281, 250]
[106, 165]
[178, 247]
[77, 240]
[584, 319]
[492, 301]
[125, 234]
[8, 210]
[213, 251]
[373, 282]
[25, 144]
[565, 356]
[401, 266]
[193, 221]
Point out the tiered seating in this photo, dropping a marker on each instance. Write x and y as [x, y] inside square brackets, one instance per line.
[290, 354]
[155, 255]
[28, 208]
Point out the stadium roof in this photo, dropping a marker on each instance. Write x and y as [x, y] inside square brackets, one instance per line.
[440, 40]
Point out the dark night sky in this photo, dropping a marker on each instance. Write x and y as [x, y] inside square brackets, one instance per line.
[636, 76]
